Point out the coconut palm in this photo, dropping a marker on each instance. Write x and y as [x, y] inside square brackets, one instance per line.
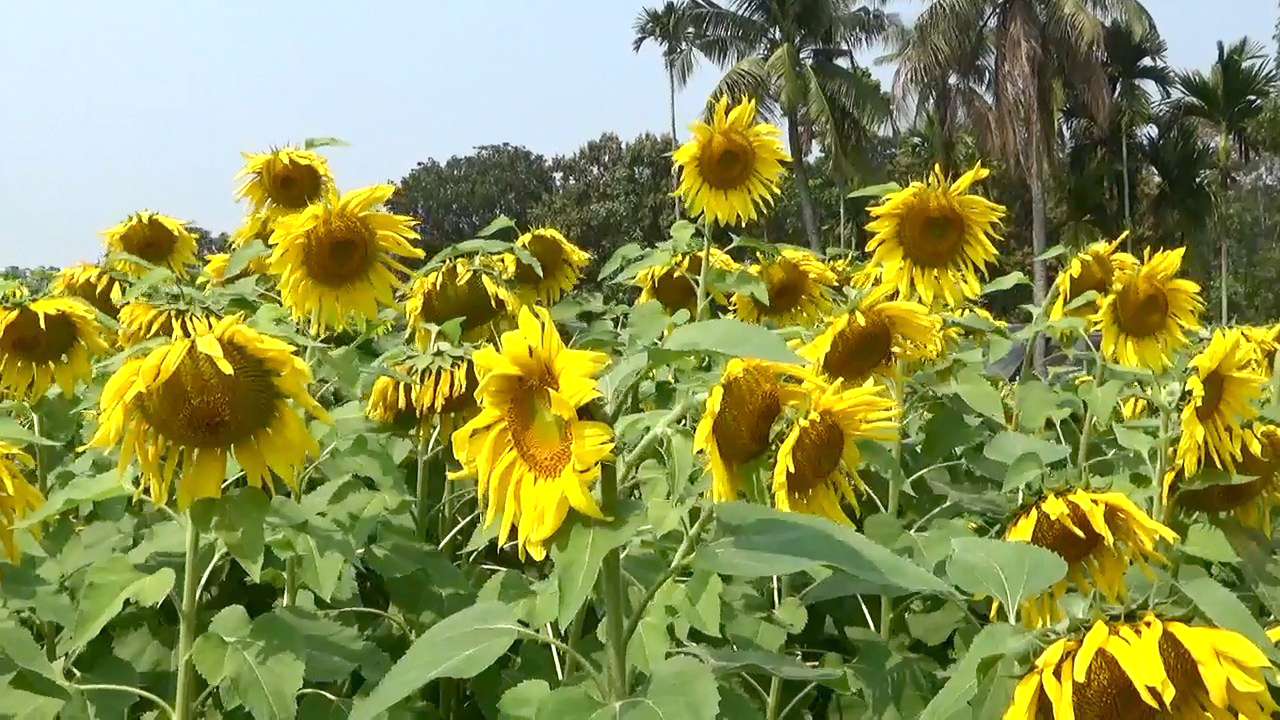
[1226, 100]
[1135, 64]
[1179, 201]
[797, 58]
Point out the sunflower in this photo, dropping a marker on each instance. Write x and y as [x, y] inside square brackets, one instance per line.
[158, 239]
[737, 424]
[287, 180]
[1099, 535]
[872, 338]
[460, 288]
[1147, 316]
[337, 260]
[933, 241]
[818, 461]
[1134, 407]
[561, 263]
[17, 496]
[1092, 270]
[444, 388]
[141, 321]
[45, 341]
[1265, 342]
[1152, 669]
[732, 166]
[256, 226]
[1250, 500]
[181, 409]
[799, 287]
[1221, 392]
[93, 284]
[675, 284]
[531, 455]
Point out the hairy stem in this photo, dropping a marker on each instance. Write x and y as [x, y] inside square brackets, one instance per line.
[187, 623]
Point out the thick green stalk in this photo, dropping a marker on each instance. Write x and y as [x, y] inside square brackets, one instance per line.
[775, 683]
[895, 490]
[703, 305]
[187, 617]
[1160, 511]
[1086, 430]
[423, 488]
[611, 588]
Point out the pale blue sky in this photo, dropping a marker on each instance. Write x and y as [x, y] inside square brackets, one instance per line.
[116, 106]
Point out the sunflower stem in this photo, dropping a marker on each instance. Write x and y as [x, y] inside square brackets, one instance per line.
[187, 623]
[426, 443]
[1159, 508]
[682, 554]
[775, 683]
[701, 308]
[895, 488]
[612, 590]
[1086, 430]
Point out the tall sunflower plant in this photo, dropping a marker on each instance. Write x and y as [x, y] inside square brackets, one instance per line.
[715, 477]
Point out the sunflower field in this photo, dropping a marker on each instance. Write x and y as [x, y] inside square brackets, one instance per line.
[325, 476]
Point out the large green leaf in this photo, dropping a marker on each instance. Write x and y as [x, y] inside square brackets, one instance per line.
[253, 664]
[729, 336]
[1223, 607]
[238, 522]
[994, 640]
[978, 393]
[1007, 571]
[1008, 446]
[579, 552]
[108, 586]
[784, 666]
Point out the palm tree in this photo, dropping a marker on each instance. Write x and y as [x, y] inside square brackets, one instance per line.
[1226, 100]
[670, 28]
[797, 58]
[1180, 199]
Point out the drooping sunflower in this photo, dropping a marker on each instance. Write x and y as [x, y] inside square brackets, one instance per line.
[933, 241]
[817, 466]
[737, 422]
[872, 338]
[1147, 316]
[17, 496]
[532, 457]
[799, 287]
[675, 284]
[183, 408]
[460, 288]
[93, 284]
[1099, 535]
[255, 226]
[1092, 270]
[441, 386]
[337, 260]
[141, 321]
[44, 341]
[1250, 500]
[1222, 390]
[561, 263]
[731, 167]
[1266, 343]
[286, 180]
[159, 239]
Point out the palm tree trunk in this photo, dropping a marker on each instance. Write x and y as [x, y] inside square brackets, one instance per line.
[675, 140]
[1039, 242]
[1224, 150]
[1124, 159]
[801, 175]
[842, 233]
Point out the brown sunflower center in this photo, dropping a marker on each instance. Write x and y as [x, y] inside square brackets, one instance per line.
[294, 185]
[550, 255]
[1141, 312]
[727, 161]
[816, 454]
[1224, 497]
[674, 288]
[469, 300]
[340, 249]
[25, 338]
[1180, 666]
[149, 240]
[1095, 276]
[786, 282]
[1213, 383]
[199, 406]
[1056, 535]
[857, 350]
[1107, 693]
[933, 234]
[542, 439]
[748, 408]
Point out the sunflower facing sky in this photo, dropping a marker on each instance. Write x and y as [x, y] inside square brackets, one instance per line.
[1250, 499]
[92, 284]
[737, 422]
[285, 180]
[799, 287]
[1092, 270]
[141, 321]
[731, 167]
[1099, 535]
[561, 263]
[337, 261]
[1147, 317]
[45, 341]
[1222, 392]
[17, 496]
[182, 409]
[872, 338]
[1145, 671]
[817, 465]
[159, 239]
[460, 288]
[933, 241]
[675, 284]
[531, 456]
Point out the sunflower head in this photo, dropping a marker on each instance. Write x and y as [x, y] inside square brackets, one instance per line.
[871, 339]
[561, 264]
[675, 284]
[1094, 269]
[441, 384]
[933, 241]
[1222, 392]
[531, 455]
[1099, 535]
[158, 239]
[465, 289]
[1147, 316]
[141, 321]
[44, 341]
[92, 284]
[799, 287]
[17, 496]
[817, 466]
[285, 180]
[255, 226]
[338, 260]
[183, 408]
[1249, 499]
[730, 168]
[1265, 342]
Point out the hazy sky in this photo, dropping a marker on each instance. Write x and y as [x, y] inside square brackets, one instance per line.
[110, 107]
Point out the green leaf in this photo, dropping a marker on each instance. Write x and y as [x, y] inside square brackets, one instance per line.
[1008, 446]
[238, 522]
[1135, 440]
[567, 702]
[255, 665]
[729, 336]
[682, 688]
[979, 394]
[108, 586]
[933, 628]
[625, 253]
[1004, 282]
[312, 143]
[726, 662]
[1210, 543]
[876, 191]
[243, 255]
[14, 434]
[579, 552]
[81, 489]
[994, 640]
[497, 225]
[1102, 399]
[17, 648]
[1052, 252]
[1007, 571]
[1223, 607]
[460, 646]
[521, 702]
